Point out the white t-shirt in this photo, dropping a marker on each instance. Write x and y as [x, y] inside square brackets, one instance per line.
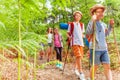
[50, 36]
[77, 38]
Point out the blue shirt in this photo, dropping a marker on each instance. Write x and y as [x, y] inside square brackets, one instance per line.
[101, 33]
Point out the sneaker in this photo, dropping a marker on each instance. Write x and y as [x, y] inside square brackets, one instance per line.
[60, 66]
[57, 65]
[82, 76]
[77, 72]
[88, 79]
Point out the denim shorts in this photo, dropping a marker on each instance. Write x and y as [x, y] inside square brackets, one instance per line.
[100, 57]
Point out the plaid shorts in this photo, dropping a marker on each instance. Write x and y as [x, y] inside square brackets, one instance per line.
[77, 50]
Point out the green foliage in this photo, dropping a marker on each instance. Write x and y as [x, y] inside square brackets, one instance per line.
[33, 16]
[42, 66]
[110, 38]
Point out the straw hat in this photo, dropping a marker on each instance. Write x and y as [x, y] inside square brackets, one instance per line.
[95, 7]
[77, 12]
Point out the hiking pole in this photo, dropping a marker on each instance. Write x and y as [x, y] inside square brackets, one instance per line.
[66, 57]
[115, 42]
[93, 55]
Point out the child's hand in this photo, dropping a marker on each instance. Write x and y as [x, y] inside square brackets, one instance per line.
[111, 22]
[94, 18]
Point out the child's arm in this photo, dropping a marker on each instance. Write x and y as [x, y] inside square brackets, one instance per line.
[83, 32]
[89, 31]
[89, 28]
[68, 32]
[107, 31]
[111, 23]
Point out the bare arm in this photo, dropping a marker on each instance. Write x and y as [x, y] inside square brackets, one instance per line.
[110, 26]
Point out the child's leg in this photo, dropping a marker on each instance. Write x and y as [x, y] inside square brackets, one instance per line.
[95, 69]
[43, 53]
[49, 53]
[106, 64]
[60, 53]
[57, 53]
[79, 64]
[107, 71]
[78, 52]
[57, 57]
[40, 54]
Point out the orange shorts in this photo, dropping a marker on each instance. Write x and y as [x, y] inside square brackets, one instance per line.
[77, 50]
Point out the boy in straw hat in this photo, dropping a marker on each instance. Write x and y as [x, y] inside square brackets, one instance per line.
[75, 35]
[101, 51]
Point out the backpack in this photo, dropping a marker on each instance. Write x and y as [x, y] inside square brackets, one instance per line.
[89, 37]
[71, 31]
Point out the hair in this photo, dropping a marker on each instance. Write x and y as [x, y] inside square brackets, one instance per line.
[54, 30]
[48, 30]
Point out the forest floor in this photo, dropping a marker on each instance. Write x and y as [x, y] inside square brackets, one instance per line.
[50, 72]
[9, 69]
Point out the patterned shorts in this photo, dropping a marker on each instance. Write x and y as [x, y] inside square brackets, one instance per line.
[77, 50]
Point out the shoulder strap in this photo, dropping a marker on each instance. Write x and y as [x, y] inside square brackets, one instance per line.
[71, 31]
[81, 25]
[71, 27]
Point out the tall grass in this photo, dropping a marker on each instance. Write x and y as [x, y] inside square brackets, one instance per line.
[19, 30]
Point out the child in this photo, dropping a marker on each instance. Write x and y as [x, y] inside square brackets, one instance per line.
[41, 52]
[50, 38]
[101, 51]
[75, 35]
[58, 47]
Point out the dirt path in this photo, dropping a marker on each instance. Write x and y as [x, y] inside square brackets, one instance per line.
[8, 71]
[53, 73]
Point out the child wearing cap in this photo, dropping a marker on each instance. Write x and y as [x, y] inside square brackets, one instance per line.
[101, 51]
[75, 35]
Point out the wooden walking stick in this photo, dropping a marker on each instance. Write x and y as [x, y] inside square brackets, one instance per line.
[93, 55]
[115, 42]
[66, 57]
